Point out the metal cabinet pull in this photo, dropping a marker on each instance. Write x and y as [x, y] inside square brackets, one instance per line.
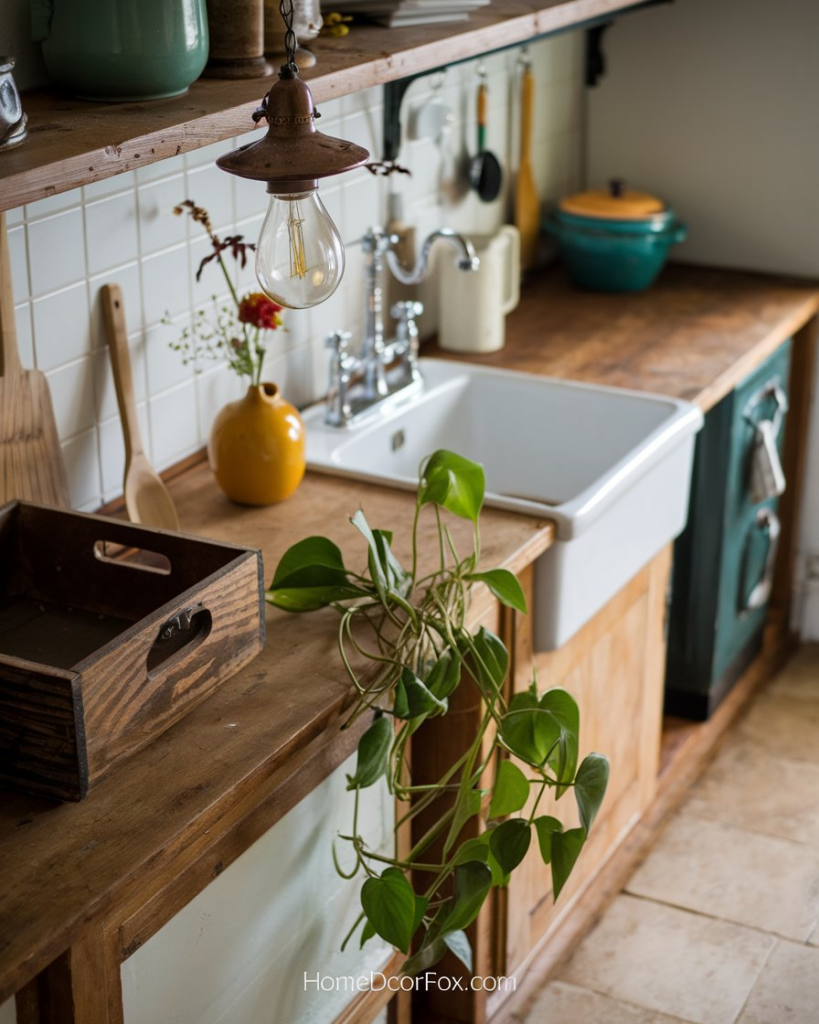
[767, 520]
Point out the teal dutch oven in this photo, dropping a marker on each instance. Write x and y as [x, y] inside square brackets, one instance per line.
[614, 240]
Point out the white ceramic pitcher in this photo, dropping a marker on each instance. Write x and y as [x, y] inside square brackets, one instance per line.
[473, 305]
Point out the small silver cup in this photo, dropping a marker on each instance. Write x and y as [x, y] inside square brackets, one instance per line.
[12, 118]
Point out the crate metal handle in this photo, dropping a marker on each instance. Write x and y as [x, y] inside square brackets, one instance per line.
[768, 520]
[773, 389]
[178, 636]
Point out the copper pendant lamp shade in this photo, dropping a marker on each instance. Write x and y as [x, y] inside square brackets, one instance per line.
[293, 155]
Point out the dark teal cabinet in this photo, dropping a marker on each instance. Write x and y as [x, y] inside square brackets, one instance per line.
[723, 561]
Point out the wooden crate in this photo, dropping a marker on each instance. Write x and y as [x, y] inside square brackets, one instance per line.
[110, 633]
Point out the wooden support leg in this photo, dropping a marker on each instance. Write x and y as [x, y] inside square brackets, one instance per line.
[75, 988]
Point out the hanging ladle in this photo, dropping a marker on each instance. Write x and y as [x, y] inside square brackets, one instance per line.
[485, 174]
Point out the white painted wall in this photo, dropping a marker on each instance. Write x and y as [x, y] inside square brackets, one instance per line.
[8, 1014]
[712, 104]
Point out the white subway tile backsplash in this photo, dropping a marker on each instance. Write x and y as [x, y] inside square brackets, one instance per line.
[174, 423]
[167, 168]
[208, 154]
[110, 233]
[165, 289]
[212, 188]
[62, 326]
[21, 288]
[159, 227]
[56, 251]
[53, 204]
[122, 229]
[25, 338]
[165, 367]
[82, 463]
[72, 393]
[109, 186]
[363, 206]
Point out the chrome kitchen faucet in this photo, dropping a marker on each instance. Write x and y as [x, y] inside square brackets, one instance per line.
[384, 369]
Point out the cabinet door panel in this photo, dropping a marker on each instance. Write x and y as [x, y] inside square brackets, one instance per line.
[614, 670]
[239, 952]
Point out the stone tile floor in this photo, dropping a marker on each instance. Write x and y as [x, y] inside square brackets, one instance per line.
[720, 924]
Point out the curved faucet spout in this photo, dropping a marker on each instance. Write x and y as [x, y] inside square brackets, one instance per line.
[467, 261]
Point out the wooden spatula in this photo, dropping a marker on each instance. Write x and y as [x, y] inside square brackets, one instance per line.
[146, 498]
[31, 460]
[527, 204]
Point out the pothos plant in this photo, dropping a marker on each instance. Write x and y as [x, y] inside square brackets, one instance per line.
[412, 631]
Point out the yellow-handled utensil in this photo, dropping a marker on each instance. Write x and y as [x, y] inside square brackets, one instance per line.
[527, 202]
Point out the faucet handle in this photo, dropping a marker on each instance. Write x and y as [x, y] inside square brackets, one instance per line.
[339, 341]
[406, 311]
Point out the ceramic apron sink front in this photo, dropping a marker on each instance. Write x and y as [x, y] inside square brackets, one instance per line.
[610, 467]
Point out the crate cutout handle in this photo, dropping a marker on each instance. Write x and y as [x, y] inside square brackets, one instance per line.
[178, 636]
[132, 558]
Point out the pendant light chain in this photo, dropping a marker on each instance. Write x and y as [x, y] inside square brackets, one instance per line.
[290, 42]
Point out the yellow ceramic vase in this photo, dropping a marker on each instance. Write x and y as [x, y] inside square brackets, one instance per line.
[256, 447]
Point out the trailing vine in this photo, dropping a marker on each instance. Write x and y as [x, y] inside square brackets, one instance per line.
[414, 635]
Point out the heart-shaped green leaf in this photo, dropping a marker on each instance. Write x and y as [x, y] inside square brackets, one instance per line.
[389, 903]
[511, 790]
[489, 660]
[453, 483]
[311, 575]
[566, 847]
[373, 754]
[445, 674]
[509, 843]
[412, 698]
[590, 787]
[546, 826]
[458, 943]
[472, 883]
[504, 585]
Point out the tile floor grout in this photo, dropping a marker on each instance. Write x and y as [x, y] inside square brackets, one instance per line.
[715, 917]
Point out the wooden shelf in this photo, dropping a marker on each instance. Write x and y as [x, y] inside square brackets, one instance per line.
[74, 142]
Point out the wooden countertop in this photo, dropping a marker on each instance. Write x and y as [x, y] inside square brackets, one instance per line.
[695, 334]
[249, 744]
[238, 762]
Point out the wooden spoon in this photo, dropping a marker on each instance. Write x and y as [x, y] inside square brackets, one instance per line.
[146, 498]
[527, 204]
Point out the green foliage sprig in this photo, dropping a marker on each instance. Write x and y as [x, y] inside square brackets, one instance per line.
[414, 633]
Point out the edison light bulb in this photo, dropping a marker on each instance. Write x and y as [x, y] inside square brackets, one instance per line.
[299, 255]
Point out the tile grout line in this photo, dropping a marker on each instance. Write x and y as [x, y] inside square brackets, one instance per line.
[710, 917]
[755, 981]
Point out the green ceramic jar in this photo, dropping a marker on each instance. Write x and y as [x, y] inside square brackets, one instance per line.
[122, 50]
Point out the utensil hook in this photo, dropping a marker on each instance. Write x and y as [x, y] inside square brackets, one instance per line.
[524, 60]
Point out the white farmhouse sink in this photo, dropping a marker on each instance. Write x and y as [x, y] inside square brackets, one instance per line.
[610, 467]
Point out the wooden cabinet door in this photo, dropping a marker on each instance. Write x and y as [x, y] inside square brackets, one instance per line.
[614, 669]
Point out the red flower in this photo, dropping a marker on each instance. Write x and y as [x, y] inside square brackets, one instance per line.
[260, 311]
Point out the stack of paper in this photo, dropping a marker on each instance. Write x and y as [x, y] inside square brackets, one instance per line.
[399, 13]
